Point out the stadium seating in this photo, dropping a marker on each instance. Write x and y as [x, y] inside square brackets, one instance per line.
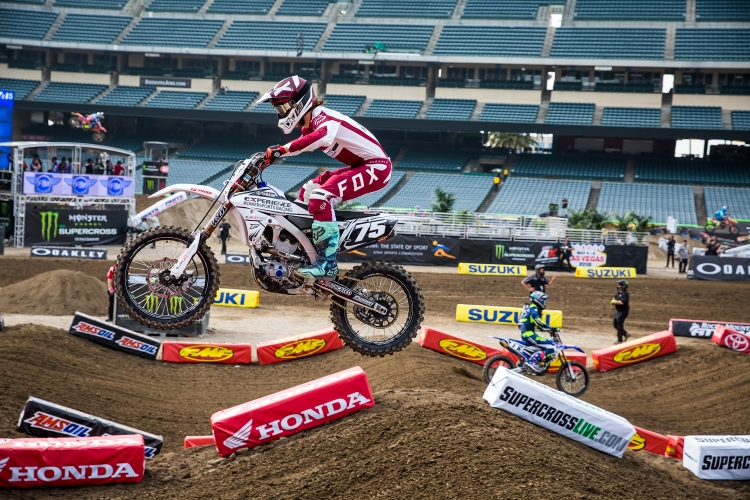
[256, 7]
[722, 10]
[696, 117]
[313, 159]
[344, 104]
[514, 113]
[69, 92]
[712, 44]
[609, 43]
[631, 117]
[86, 4]
[303, 8]
[626, 10]
[737, 199]
[370, 200]
[126, 142]
[502, 9]
[420, 159]
[175, 5]
[740, 120]
[193, 172]
[176, 99]
[451, 109]
[21, 88]
[570, 113]
[231, 150]
[503, 41]
[279, 176]
[26, 24]
[435, 9]
[269, 35]
[231, 101]
[355, 37]
[523, 196]
[469, 191]
[37, 2]
[387, 108]
[95, 29]
[138, 181]
[125, 96]
[173, 32]
[685, 171]
[655, 200]
[264, 107]
[570, 167]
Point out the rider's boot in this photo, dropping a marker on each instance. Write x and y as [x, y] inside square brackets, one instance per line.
[326, 241]
[536, 360]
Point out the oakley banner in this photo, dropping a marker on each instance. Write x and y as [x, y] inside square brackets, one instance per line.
[713, 268]
[75, 227]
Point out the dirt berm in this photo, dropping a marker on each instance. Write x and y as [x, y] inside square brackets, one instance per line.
[57, 293]
[430, 434]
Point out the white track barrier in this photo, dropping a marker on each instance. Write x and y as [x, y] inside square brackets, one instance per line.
[559, 412]
[717, 457]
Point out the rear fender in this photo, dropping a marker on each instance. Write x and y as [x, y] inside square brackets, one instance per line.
[203, 191]
[367, 231]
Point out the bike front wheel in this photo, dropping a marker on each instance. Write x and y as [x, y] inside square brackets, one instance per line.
[573, 378]
[98, 137]
[495, 362]
[145, 289]
[734, 229]
[75, 122]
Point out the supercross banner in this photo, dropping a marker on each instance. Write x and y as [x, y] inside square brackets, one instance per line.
[55, 226]
[41, 418]
[717, 457]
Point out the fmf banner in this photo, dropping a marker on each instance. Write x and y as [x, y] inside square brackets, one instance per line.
[77, 184]
[713, 268]
[75, 227]
[508, 316]
[649, 441]
[559, 412]
[301, 346]
[634, 351]
[703, 329]
[112, 336]
[41, 418]
[457, 347]
[717, 457]
[491, 269]
[187, 352]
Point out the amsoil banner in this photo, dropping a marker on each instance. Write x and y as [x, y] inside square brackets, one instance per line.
[75, 227]
[713, 268]
[115, 337]
[41, 418]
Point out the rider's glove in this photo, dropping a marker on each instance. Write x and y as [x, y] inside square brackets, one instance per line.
[274, 152]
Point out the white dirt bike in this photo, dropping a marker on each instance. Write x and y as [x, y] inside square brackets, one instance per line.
[167, 277]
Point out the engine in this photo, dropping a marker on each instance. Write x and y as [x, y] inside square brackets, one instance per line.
[280, 256]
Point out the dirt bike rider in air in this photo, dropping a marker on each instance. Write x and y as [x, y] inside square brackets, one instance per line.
[368, 166]
[94, 120]
[531, 318]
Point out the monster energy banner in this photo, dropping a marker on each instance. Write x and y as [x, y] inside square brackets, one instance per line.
[195, 329]
[6, 215]
[75, 227]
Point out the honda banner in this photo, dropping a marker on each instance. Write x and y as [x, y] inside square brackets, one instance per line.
[717, 457]
[731, 339]
[291, 411]
[75, 227]
[713, 268]
[112, 336]
[559, 412]
[41, 418]
[300, 346]
[77, 184]
[457, 347]
[703, 329]
[39, 462]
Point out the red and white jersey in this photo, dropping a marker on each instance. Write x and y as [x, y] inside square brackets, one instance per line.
[339, 137]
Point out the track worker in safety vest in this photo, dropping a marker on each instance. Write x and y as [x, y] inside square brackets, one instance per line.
[111, 290]
[621, 301]
[531, 318]
[368, 167]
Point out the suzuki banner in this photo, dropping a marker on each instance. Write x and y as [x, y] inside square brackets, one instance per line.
[187, 352]
[113, 336]
[703, 329]
[457, 347]
[491, 269]
[62, 226]
[236, 298]
[731, 339]
[508, 316]
[606, 272]
[559, 412]
[38, 462]
[77, 184]
[291, 411]
[634, 351]
[41, 418]
[300, 346]
[717, 457]
[713, 268]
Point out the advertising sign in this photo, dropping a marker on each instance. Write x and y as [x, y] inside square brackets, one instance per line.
[7, 102]
[634, 351]
[717, 457]
[649, 441]
[714, 268]
[457, 347]
[6, 215]
[703, 329]
[191, 352]
[41, 418]
[297, 347]
[165, 81]
[508, 316]
[559, 412]
[491, 269]
[69, 253]
[731, 339]
[588, 255]
[75, 227]
[77, 184]
[236, 298]
[112, 336]
[606, 272]
[236, 258]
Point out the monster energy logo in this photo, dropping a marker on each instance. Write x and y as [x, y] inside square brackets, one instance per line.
[499, 251]
[150, 183]
[152, 304]
[4, 208]
[49, 224]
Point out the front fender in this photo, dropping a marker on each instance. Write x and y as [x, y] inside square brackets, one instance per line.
[575, 348]
[203, 191]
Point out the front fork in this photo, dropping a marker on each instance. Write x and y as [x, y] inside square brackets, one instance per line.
[182, 263]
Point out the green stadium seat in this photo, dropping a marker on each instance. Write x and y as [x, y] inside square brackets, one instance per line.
[714, 44]
[502, 9]
[500, 41]
[609, 43]
[422, 159]
[524, 196]
[513, 113]
[570, 113]
[722, 10]
[737, 199]
[658, 201]
[173, 32]
[302, 8]
[175, 5]
[702, 117]
[21, 88]
[631, 117]
[123, 95]
[251, 7]
[78, 93]
[741, 120]
[451, 109]
[231, 101]
[469, 191]
[96, 29]
[570, 167]
[345, 104]
[692, 171]
[388, 108]
[176, 99]
[627, 10]
[434, 9]
[25, 24]
[270, 35]
[355, 37]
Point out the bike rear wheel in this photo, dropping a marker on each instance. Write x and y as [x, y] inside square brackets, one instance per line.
[140, 279]
[495, 362]
[98, 137]
[370, 333]
[75, 122]
[734, 229]
[710, 228]
[575, 384]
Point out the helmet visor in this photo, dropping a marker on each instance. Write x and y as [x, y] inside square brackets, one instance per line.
[283, 110]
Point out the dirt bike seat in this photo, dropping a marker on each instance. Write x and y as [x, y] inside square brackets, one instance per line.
[344, 214]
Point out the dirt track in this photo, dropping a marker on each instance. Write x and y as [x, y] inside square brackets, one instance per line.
[430, 434]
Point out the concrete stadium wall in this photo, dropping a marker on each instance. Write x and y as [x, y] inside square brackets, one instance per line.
[378, 91]
[730, 102]
[20, 74]
[609, 99]
[70, 77]
[491, 95]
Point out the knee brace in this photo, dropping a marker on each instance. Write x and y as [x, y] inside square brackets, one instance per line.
[321, 205]
[305, 191]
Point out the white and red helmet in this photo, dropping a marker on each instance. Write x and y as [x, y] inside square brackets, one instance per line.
[292, 97]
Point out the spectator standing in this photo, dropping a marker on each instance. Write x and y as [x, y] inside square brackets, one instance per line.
[566, 251]
[111, 290]
[99, 167]
[53, 165]
[89, 168]
[36, 164]
[683, 254]
[621, 301]
[564, 208]
[670, 250]
[496, 181]
[63, 167]
[538, 281]
[713, 247]
[225, 232]
[119, 168]
[109, 168]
